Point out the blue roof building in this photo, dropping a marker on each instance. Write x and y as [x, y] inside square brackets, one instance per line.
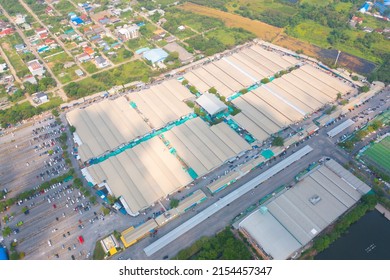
[3, 254]
[155, 55]
[365, 7]
[77, 21]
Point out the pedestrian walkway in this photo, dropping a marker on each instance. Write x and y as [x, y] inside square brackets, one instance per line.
[383, 210]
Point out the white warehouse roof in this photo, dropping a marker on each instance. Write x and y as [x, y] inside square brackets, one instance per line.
[211, 103]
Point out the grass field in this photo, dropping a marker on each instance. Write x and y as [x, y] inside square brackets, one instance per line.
[262, 30]
[379, 155]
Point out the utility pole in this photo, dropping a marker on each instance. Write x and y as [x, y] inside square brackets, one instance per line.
[337, 58]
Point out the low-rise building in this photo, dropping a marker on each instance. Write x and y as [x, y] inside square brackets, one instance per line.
[35, 68]
[101, 62]
[83, 57]
[155, 55]
[127, 32]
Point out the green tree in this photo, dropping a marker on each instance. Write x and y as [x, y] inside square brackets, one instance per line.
[55, 112]
[212, 90]
[278, 141]
[174, 203]
[7, 231]
[365, 88]
[72, 129]
[265, 81]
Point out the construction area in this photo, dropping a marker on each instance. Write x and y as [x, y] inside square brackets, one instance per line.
[285, 224]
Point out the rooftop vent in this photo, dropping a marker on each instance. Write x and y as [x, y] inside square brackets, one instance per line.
[315, 199]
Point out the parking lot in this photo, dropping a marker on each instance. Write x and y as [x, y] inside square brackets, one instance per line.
[30, 156]
[57, 225]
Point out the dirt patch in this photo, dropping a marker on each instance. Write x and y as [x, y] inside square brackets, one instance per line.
[6, 46]
[294, 44]
[260, 29]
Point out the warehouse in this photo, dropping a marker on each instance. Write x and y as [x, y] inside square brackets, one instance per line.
[223, 182]
[162, 103]
[191, 201]
[201, 148]
[132, 235]
[291, 220]
[106, 125]
[141, 175]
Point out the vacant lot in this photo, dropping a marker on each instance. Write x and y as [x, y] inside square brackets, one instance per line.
[260, 29]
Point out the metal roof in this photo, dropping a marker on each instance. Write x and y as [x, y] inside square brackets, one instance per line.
[106, 125]
[299, 214]
[155, 55]
[211, 103]
[141, 175]
[344, 125]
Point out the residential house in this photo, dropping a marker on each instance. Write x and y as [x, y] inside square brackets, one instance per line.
[101, 62]
[79, 72]
[30, 79]
[83, 57]
[20, 47]
[20, 19]
[49, 11]
[88, 50]
[6, 31]
[68, 64]
[35, 68]
[26, 26]
[126, 32]
[3, 67]
[161, 21]
[40, 97]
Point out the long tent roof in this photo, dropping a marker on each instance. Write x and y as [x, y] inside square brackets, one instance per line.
[203, 149]
[142, 175]
[106, 125]
[162, 103]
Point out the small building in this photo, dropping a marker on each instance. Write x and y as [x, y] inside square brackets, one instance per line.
[181, 28]
[126, 32]
[88, 50]
[49, 11]
[6, 31]
[30, 79]
[79, 73]
[68, 64]
[35, 68]
[83, 57]
[211, 104]
[3, 67]
[20, 47]
[155, 55]
[40, 97]
[110, 244]
[365, 8]
[20, 19]
[101, 62]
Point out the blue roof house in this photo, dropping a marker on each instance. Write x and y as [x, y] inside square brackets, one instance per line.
[155, 55]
